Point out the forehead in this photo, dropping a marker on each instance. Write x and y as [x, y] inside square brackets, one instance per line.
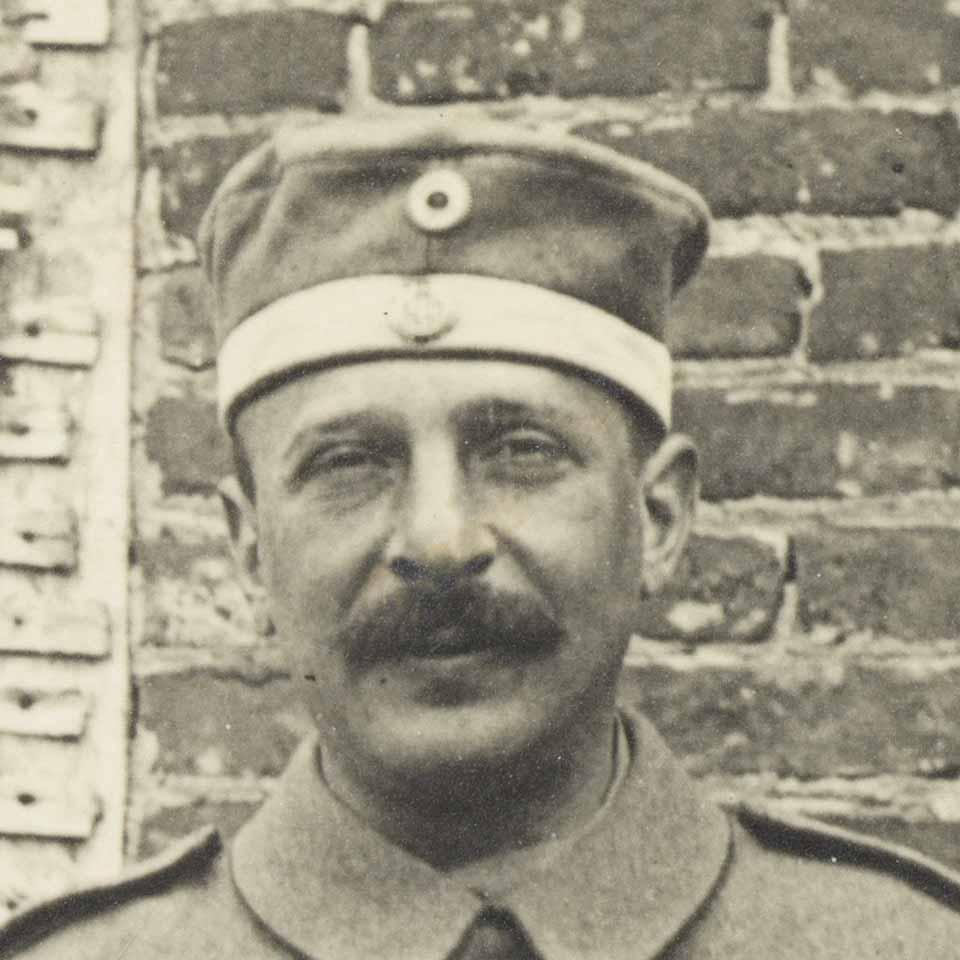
[428, 393]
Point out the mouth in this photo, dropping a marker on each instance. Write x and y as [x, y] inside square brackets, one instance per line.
[449, 641]
[456, 640]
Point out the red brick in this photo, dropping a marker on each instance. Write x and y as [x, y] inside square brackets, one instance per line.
[252, 62]
[191, 594]
[190, 171]
[494, 49]
[875, 44]
[806, 719]
[170, 824]
[183, 437]
[854, 162]
[185, 319]
[822, 440]
[899, 582]
[739, 307]
[219, 724]
[887, 302]
[726, 589]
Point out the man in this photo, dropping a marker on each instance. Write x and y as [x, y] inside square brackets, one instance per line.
[443, 373]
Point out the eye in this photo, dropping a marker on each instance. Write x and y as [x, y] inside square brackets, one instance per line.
[342, 457]
[343, 464]
[526, 454]
[529, 446]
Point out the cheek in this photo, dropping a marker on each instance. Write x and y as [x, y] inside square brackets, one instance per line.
[582, 543]
[315, 567]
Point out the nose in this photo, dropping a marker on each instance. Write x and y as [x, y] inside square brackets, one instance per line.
[439, 537]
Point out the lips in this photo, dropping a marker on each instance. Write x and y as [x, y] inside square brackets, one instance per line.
[453, 641]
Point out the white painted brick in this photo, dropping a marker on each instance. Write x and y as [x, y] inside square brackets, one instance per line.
[58, 714]
[30, 431]
[32, 624]
[41, 539]
[34, 119]
[61, 23]
[59, 330]
[39, 808]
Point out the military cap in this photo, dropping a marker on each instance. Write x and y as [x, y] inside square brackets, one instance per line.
[360, 239]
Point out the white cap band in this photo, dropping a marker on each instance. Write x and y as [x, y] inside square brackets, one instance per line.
[369, 317]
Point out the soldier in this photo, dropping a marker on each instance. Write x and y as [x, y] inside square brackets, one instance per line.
[442, 368]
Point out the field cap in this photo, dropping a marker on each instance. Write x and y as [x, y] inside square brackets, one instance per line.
[364, 239]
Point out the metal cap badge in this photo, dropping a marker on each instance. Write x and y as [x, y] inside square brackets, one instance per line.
[416, 316]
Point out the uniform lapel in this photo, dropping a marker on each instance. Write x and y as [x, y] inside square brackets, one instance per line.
[329, 886]
[626, 888]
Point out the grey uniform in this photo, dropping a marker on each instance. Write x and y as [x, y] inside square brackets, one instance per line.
[659, 872]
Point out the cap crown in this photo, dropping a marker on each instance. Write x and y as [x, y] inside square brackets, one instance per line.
[555, 212]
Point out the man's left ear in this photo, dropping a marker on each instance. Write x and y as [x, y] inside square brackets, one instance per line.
[669, 488]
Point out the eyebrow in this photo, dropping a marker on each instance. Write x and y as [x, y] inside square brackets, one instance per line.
[473, 413]
[375, 419]
[497, 409]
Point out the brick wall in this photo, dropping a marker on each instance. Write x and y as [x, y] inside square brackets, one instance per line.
[808, 652]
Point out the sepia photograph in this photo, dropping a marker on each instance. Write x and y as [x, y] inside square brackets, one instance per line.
[479, 479]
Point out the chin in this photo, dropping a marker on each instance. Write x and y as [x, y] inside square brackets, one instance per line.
[455, 745]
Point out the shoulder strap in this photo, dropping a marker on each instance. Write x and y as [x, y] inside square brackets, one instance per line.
[183, 859]
[819, 841]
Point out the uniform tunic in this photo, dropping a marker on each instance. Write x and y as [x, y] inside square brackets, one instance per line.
[659, 872]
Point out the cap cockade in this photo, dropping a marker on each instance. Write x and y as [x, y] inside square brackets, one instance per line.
[439, 200]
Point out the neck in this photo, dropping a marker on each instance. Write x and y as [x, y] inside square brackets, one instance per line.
[460, 813]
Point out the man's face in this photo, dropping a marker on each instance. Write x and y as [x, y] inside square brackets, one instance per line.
[453, 551]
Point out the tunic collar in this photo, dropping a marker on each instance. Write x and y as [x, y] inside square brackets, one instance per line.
[622, 889]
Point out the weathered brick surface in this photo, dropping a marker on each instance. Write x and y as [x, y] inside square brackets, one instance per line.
[845, 162]
[190, 171]
[887, 302]
[220, 725]
[776, 713]
[898, 582]
[253, 62]
[823, 440]
[875, 44]
[183, 437]
[185, 318]
[805, 719]
[726, 589]
[192, 595]
[739, 307]
[155, 14]
[168, 825]
[489, 49]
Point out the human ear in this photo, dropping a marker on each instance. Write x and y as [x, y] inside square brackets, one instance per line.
[669, 489]
[241, 516]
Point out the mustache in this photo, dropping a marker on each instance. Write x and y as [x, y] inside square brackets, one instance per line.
[464, 618]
